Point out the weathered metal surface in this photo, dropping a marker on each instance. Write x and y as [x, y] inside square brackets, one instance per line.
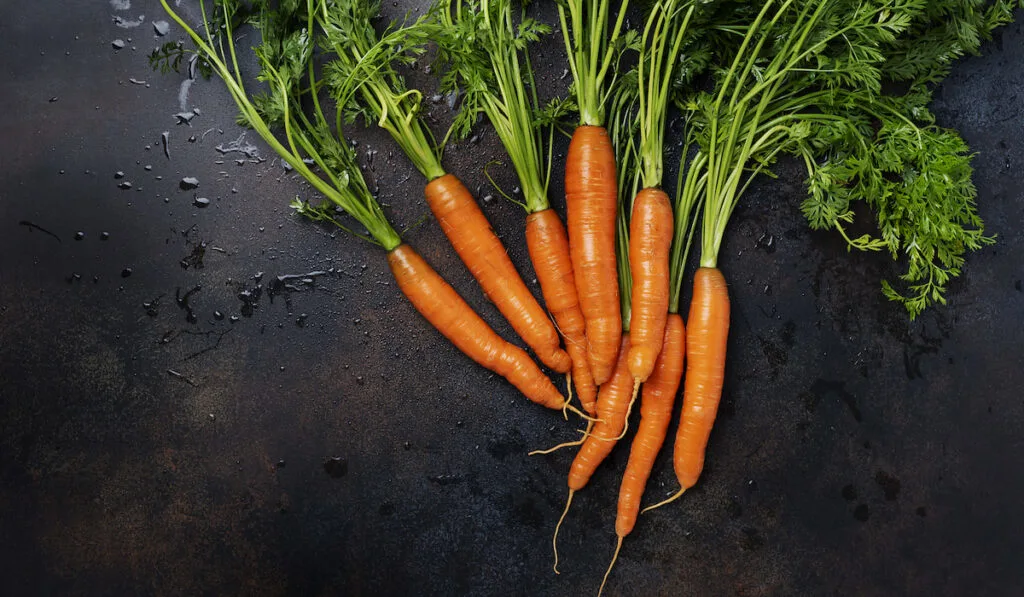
[318, 438]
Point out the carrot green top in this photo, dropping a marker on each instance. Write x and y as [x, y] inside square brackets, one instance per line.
[593, 48]
[285, 52]
[486, 54]
[361, 66]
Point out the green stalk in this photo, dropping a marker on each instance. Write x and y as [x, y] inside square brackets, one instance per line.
[364, 66]
[354, 197]
[592, 51]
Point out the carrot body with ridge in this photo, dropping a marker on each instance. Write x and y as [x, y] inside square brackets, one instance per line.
[442, 306]
[659, 394]
[706, 339]
[591, 198]
[651, 228]
[548, 244]
[612, 404]
[474, 240]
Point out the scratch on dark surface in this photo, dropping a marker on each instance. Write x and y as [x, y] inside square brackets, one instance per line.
[821, 387]
[174, 373]
[34, 226]
[214, 346]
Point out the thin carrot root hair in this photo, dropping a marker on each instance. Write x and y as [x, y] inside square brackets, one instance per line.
[618, 546]
[629, 409]
[568, 398]
[554, 539]
[579, 413]
[579, 442]
[671, 499]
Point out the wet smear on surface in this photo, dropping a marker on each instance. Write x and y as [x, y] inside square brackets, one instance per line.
[336, 467]
[890, 485]
[862, 512]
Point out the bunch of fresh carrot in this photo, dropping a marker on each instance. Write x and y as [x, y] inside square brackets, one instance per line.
[800, 80]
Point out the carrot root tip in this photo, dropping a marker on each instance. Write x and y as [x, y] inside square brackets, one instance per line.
[578, 442]
[671, 499]
[554, 540]
[618, 546]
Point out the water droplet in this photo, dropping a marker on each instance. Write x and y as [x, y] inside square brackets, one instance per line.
[233, 318]
[104, 236]
[201, 202]
[118, 44]
[53, 99]
[79, 235]
[336, 467]
[118, 175]
[126, 272]
[147, 167]
[161, 28]
[124, 186]
[188, 183]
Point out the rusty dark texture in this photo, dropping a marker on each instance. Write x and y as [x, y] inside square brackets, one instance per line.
[178, 417]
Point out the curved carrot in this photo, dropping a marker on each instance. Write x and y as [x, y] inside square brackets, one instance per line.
[549, 251]
[651, 227]
[659, 394]
[591, 198]
[655, 414]
[706, 338]
[483, 253]
[613, 402]
[442, 306]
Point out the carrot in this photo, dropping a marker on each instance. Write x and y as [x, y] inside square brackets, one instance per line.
[366, 82]
[707, 332]
[471, 235]
[705, 372]
[591, 34]
[650, 239]
[442, 306]
[612, 404]
[659, 395]
[591, 199]
[549, 251]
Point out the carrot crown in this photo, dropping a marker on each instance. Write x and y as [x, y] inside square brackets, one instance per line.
[486, 54]
[593, 50]
[362, 68]
[284, 55]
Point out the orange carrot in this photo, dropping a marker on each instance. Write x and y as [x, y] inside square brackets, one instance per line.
[442, 306]
[549, 251]
[591, 197]
[650, 239]
[483, 253]
[707, 332]
[658, 397]
[656, 403]
[613, 402]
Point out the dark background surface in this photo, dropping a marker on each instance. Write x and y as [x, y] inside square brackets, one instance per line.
[856, 453]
